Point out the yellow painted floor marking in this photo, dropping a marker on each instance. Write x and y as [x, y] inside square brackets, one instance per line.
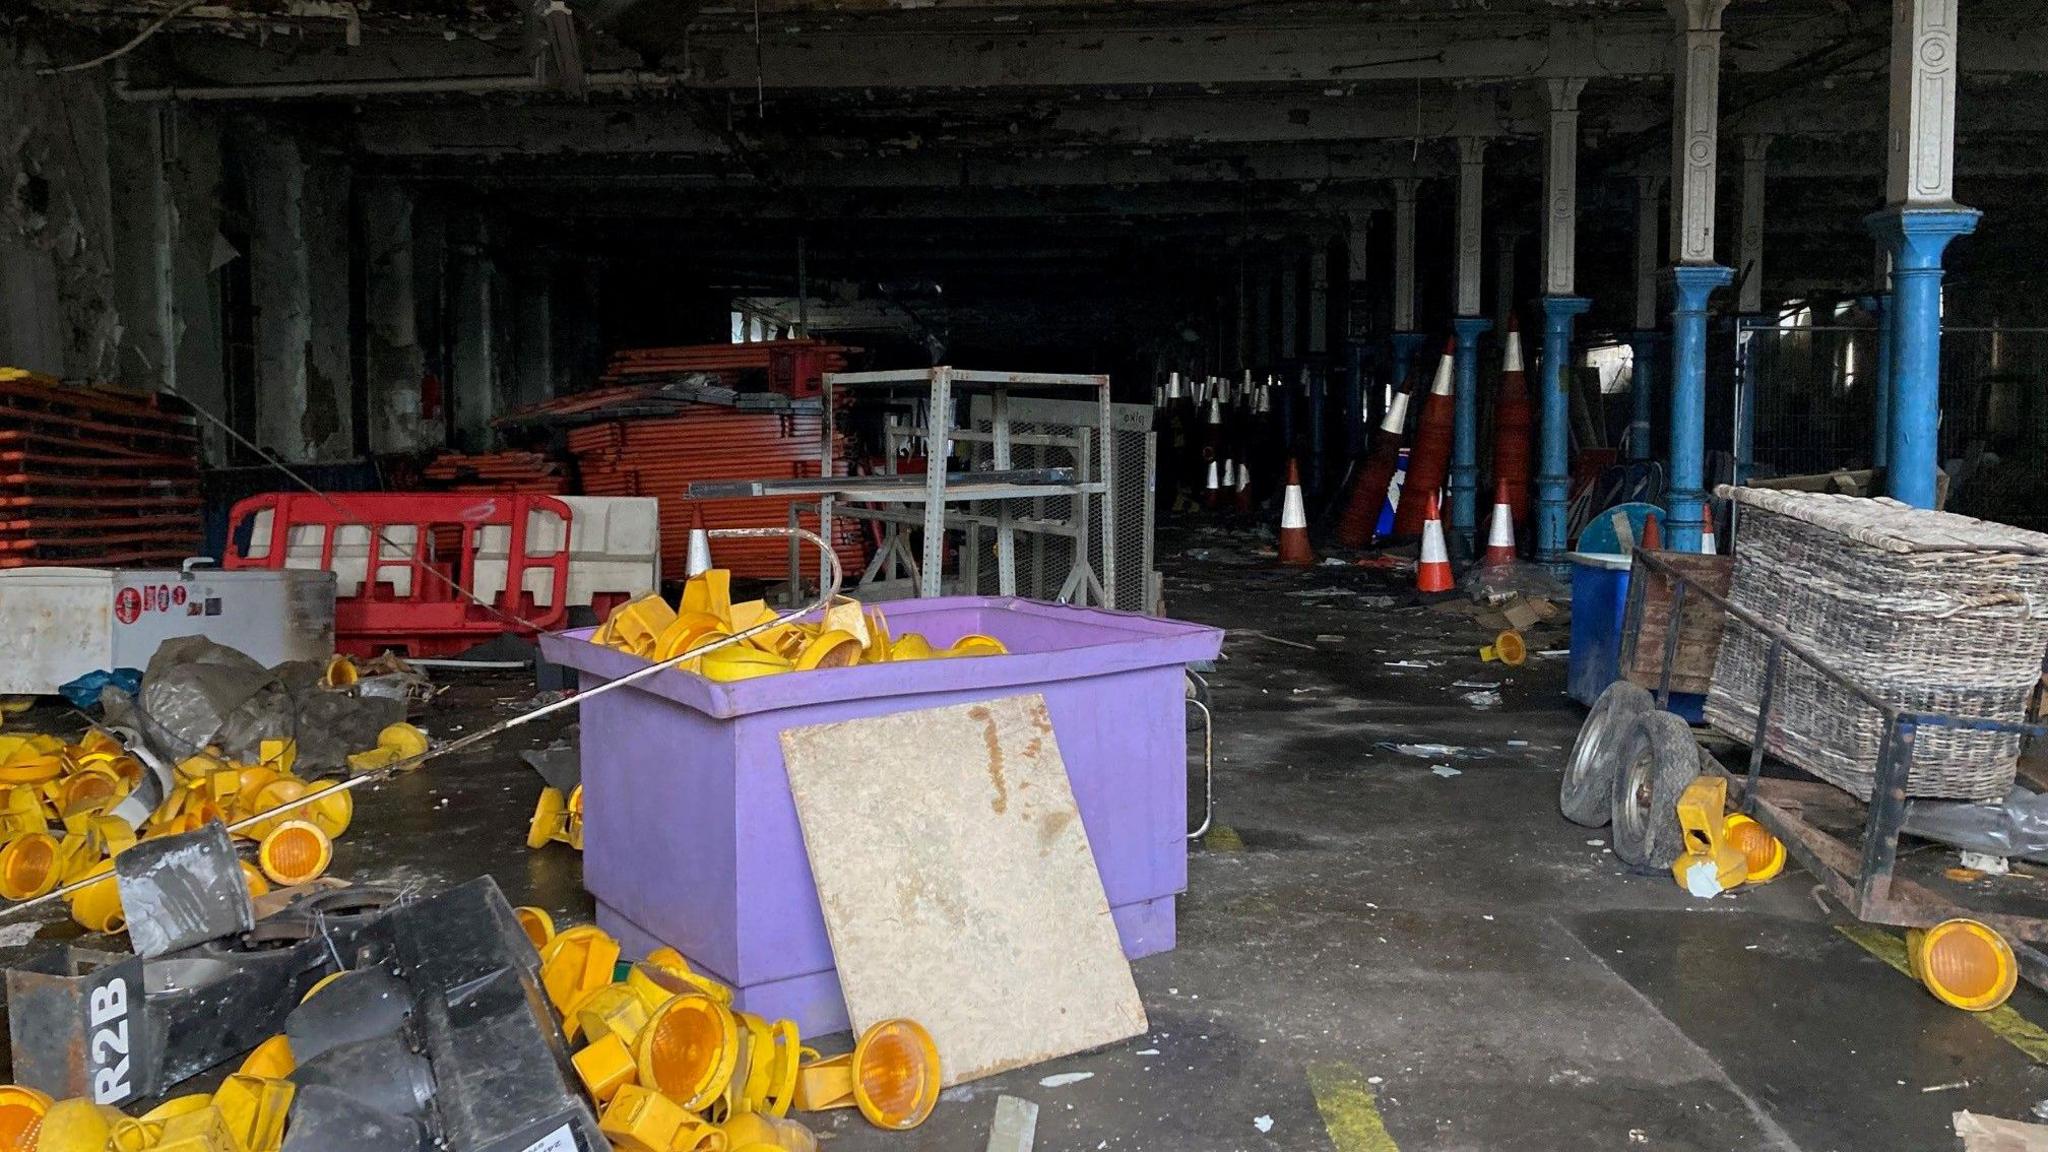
[2030, 1038]
[1350, 1109]
[1223, 838]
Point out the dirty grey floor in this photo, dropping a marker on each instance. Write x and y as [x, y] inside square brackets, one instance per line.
[1374, 955]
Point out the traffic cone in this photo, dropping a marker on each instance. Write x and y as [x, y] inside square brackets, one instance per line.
[1433, 573]
[1429, 460]
[699, 560]
[1209, 487]
[1294, 548]
[1708, 545]
[1653, 536]
[1500, 535]
[1368, 495]
[1511, 425]
[1244, 488]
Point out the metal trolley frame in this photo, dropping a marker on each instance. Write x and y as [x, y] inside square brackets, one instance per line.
[1863, 882]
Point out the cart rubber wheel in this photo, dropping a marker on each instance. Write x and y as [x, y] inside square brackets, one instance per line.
[1658, 758]
[1586, 794]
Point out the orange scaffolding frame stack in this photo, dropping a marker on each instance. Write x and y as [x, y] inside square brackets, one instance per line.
[94, 478]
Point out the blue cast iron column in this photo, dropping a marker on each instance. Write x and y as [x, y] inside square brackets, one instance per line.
[1405, 344]
[1686, 476]
[1553, 476]
[1644, 349]
[1918, 237]
[1465, 431]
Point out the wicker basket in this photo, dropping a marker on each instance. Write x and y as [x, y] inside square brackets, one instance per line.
[1930, 611]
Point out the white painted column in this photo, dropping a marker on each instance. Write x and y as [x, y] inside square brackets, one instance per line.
[1749, 260]
[1405, 190]
[1561, 189]
[1920, 167]
[1471, 218]
[1919, 220]
[1649, 192]
[1695, 127]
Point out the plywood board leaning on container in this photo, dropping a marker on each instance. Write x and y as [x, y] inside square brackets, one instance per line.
[958, 885]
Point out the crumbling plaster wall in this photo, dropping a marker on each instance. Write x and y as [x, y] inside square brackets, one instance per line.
[109, 229]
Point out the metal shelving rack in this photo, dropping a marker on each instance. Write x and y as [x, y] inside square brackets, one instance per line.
[940, 387]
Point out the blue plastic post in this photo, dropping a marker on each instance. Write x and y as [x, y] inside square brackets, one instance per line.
[1918, 237]
[1405, 344]
[1880, 306]
[1316, 400]
[1553, 474]
[1644, 350]
[1686, 497]
[1465, 432]
[1355, 403]
[1283, 399]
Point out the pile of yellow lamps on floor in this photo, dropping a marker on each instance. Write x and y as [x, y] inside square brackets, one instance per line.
[846, 635]
[672, 1066]
[55, 830]
[245, 1114]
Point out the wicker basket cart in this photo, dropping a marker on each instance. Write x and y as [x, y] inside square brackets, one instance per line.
[1887, 650]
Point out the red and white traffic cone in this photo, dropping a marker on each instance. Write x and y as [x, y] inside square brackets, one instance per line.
[1361, 516]
[1244, 488]
[1433, 574]
[699, 559]
[1429, 454]
[1500, 535]
[1294, 547]
[1653, 536]
[1210, 487]
[1708, 545]
[1511, 425]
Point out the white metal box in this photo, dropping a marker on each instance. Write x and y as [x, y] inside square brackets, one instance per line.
[57, 624]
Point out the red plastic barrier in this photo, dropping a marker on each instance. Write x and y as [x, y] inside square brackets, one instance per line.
[433, 618]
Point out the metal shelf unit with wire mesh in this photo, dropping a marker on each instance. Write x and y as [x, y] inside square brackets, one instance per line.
[1050, 432]
[937, 390]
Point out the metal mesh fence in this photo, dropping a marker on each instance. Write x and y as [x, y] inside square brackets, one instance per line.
[1811, 388]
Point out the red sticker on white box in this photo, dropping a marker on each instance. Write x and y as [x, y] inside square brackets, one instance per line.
[127, 605]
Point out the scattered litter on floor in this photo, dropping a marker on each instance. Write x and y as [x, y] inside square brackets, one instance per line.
[1445, 770]
[1518, 743]
[1015, 1126]
[1263, 1123]
[1147, 1052]
[1426, 751]
[1992, 1134]
[1405, 663]
[1948, 1087]
[1479, 684]
[1482, 699]
[1062, 1079]
[1328, 638]
[1273, 638]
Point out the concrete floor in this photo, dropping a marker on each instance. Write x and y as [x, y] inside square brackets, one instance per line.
[1375, 956]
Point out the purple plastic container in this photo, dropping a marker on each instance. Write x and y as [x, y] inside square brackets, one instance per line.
[691, 838]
